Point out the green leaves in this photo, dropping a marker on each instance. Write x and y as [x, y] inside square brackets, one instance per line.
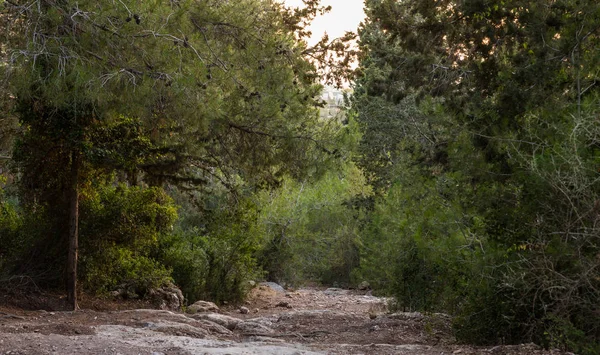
[186, 74]
[311, 230]
[121, 230]
[475, 114]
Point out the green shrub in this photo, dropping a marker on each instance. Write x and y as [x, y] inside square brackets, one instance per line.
[311, 229]
[562, 334]
[118, 267]
[414, 247]
[10, 225]
[120, 233]
[28, 244]
[183, 254]
[213, 250]
[212, 267]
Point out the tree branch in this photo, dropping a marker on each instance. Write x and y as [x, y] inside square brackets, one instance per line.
[266, 134]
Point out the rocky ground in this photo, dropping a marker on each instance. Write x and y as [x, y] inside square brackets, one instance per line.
[273, 321]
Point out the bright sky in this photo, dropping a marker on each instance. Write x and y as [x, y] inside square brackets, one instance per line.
[345, 15]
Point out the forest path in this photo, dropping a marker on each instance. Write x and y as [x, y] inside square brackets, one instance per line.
[305, 321]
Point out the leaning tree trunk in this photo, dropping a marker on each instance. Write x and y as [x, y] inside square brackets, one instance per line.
[73, 232]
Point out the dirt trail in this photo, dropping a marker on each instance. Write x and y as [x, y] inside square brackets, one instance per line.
[306, 321]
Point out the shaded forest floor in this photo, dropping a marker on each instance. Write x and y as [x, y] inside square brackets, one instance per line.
[304, 321]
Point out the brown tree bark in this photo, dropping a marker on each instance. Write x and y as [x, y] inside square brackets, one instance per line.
[73, 232]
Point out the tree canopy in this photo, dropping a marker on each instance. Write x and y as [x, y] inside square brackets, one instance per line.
[190, 93]
[481, 116]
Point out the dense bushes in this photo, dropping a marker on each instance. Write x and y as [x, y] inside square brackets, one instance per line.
[480, 132]
[501, 258]
[10, 225]
[312, 229]
[415, 247]
[26, 243]
[121, 229]
[514, 260]
[213, 252]
[119, 268]
[132, 240]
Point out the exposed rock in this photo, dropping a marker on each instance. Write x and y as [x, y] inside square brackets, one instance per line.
[167, 297]
[266, 321]
[202, 307]
[334, 291]
[179, 329]
[261, 339]
[283, 304]
[278, 331]
[119, 291]
[213, 327]
[441, 316]
[363, 286]
[244, 310]
[221, 319]
[150, 325]
[253, 327]
[136, 313]
[274, 286]
[197, 328]
[251, 283]
[406, 316]
[314, 314]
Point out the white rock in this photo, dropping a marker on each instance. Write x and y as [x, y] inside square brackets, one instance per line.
[253, 327]
[406, 316]
[363, 286]
[274, 286]
[221, 319]
[202, 307]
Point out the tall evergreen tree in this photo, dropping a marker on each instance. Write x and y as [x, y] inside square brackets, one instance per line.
[185, 92]
[486, 109]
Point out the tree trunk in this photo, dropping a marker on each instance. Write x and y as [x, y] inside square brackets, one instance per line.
[73, 232]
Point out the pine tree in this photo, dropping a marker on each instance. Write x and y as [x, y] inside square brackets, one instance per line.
[181, 92]
[486, 108]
